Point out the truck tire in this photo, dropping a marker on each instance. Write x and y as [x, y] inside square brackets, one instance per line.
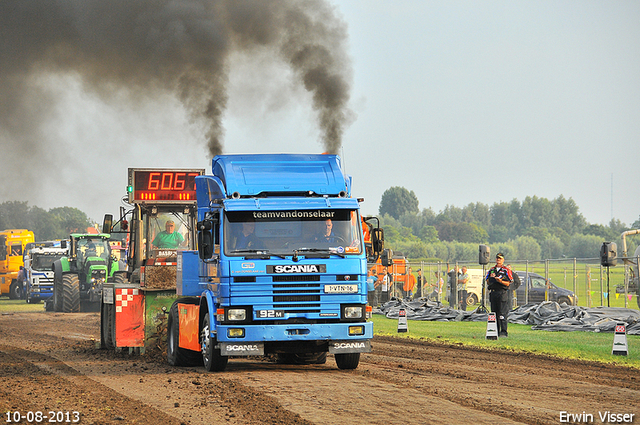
[347, 360]
[70, 293]
[472, 299]
[211, 357]
[15, 290]
[177, 356]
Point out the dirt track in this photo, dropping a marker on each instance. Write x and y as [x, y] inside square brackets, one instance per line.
[49, 362]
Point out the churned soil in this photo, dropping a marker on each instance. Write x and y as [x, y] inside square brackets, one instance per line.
[52, 362]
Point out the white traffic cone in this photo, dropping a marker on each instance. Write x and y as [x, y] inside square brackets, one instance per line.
[620, 347]
[492, 327]
[402, 321]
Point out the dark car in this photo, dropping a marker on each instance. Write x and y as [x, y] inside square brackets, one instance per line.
[537, 289]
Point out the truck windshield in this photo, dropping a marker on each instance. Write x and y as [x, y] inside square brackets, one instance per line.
[288, 232]
[44, 262]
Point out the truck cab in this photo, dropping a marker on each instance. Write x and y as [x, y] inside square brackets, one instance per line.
[281, 264]
[38, 263]
[12, 246]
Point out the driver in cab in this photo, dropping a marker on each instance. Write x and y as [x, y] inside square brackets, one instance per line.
[168, 238]
[327, 234]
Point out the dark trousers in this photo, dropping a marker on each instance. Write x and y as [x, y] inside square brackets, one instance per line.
[462, 299]
[499, 299]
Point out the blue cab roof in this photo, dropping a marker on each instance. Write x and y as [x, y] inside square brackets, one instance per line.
[255, 174]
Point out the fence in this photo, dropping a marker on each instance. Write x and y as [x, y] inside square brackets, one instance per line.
[592, 284]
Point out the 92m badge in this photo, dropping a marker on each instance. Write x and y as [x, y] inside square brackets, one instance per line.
[269, 314]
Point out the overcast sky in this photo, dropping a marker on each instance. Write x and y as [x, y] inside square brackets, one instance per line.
[458, 101]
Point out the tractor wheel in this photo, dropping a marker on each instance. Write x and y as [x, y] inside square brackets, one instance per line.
[108, 318]
[70, 293]
[177, 356]
[57, 296]
[213, 360]
[15, 290]
[107, 327]
[347, 360]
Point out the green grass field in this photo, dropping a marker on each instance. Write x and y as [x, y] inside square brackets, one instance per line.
[15, 306]
[575, 345]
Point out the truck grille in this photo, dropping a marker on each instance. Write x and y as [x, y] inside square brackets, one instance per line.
[300, 295]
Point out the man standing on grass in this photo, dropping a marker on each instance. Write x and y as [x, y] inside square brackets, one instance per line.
[499, 279]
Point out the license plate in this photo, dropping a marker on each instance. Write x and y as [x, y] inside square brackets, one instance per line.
[340, 289]
[269, 314]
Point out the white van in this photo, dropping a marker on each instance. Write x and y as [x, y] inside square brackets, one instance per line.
[474, 287]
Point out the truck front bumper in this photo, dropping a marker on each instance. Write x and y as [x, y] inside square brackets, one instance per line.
[334, 338]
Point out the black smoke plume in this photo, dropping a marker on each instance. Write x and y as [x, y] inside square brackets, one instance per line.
[142, 47]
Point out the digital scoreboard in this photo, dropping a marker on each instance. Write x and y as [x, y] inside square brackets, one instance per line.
[162, 185]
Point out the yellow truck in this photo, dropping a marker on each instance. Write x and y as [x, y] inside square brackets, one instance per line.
[12, 243]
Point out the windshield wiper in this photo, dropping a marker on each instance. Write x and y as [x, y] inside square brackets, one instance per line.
[259, 252]
[333, 251]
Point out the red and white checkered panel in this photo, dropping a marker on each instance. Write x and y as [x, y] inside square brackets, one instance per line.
[130, 322]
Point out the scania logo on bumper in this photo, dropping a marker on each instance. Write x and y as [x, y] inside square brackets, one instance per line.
[235, 349]
[297, 268]
[349, 347]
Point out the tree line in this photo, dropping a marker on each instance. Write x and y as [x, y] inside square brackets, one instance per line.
[534, 229]
[57, 223]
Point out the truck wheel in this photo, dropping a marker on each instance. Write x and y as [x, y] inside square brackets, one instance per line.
[213, 360]
[347, 360]
[564, 300]
[472, 299]
[15, 291]
[177, 356]
[70, 293]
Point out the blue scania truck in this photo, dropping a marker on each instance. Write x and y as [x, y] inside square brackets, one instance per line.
[280, 268]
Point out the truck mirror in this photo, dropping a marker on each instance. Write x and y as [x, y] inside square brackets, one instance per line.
[387, 258]
[377, 240]
[206, 229]
[107, 222]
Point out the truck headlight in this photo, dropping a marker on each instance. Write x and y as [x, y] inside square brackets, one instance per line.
[353, 312]
[236, 314]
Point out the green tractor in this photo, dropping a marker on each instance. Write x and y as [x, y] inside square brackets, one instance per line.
[78, 278]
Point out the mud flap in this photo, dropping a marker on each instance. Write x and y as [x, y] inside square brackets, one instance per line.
[189, 319]
[241, 349]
